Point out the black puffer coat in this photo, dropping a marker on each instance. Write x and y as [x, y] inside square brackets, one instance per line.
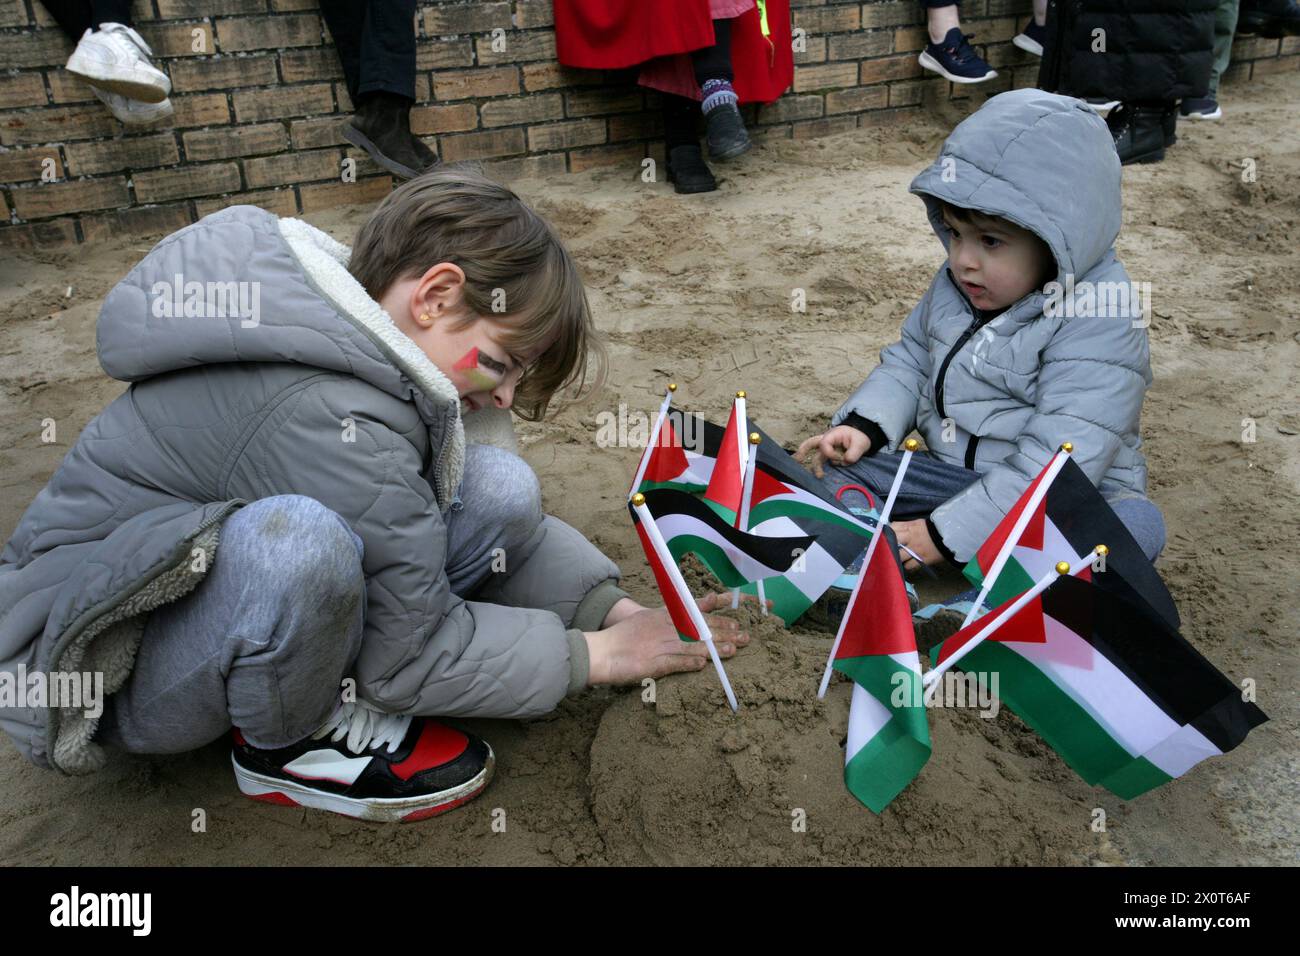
[1154, 50]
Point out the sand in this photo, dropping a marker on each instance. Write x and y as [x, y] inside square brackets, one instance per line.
[699, 289]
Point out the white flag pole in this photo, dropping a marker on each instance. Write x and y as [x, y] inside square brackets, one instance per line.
[1041, 585]
[654, 439]
[742, 429]
[909, 447]
[683, 592]
[743, 520]
[1022, 522]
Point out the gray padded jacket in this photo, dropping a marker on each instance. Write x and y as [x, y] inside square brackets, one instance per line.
[1014, 389]
[225, 410]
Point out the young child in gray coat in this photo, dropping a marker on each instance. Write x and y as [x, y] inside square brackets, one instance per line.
[298, 521]
[1030, 335]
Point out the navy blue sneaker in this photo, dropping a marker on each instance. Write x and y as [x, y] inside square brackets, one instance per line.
[1031, 38]
[956, 60]
[1201, 108]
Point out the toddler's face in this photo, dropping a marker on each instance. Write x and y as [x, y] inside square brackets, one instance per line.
[995, 261]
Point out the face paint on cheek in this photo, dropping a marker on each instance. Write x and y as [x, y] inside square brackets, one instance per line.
[468, 365]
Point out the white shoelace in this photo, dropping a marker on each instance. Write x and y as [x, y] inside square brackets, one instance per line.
[365, 727]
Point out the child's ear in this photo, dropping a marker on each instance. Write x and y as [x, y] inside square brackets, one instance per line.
[439, 293]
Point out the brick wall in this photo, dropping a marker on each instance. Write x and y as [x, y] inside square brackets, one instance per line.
[259, 98]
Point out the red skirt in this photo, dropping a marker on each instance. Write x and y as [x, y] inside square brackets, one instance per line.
[615, 34]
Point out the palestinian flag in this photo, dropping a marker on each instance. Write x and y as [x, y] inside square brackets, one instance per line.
[786, 500]
[1070, 521]
[674, 465]
[727, 482]
[1125, 700]
[735, 557]
[889, 736]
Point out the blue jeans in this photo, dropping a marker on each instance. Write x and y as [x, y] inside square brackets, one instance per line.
[265, 640]
[930, 482]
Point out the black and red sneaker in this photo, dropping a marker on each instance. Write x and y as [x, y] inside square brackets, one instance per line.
[369, 765]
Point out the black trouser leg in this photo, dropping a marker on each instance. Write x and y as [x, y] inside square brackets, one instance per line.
[75, 17]
[680, 118]
[376, 44]
[714, 62]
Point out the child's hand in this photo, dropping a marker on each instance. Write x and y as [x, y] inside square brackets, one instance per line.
[842, 445]
[915, 535]
[645, 643]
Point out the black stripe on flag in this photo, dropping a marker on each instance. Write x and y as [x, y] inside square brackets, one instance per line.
[776, 553]
[1082, 515]
[1159, 660]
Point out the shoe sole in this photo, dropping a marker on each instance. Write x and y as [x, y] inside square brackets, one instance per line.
[1027, 44]
[395, 810]
[733, 152]
[358, 138]
[690, 190]
[930, 63]
[144, 90]
[1152, 157]
[1217, 114]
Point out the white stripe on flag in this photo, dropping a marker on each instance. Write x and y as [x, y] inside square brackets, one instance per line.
[820, 569]
[1102, 689]
[673, 525]
[1055, 548]
[909, 660]
[1181, 751]
[866, 716]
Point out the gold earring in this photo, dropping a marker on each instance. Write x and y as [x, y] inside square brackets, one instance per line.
[425, 317]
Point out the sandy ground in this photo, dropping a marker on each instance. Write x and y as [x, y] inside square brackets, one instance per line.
[699, 289]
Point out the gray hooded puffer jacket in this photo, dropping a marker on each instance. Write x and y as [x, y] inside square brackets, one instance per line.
[1020, 385]
[316, 394]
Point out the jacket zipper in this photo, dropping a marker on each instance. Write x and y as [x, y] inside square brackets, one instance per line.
[952, 352]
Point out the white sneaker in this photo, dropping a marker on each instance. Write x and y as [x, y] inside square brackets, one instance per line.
[133, 112]
[116, 59]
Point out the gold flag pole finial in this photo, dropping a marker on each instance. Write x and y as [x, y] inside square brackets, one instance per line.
[1067, 446]
[911, 444]
[1102, 550]
[672, 386]
[754, 438]
[741, 393]
[1062, 567]
[638, 499]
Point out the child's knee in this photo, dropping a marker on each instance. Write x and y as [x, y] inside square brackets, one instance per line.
[297, 542]
[502, 485]
[1143, 519]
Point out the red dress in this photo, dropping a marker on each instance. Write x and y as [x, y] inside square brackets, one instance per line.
[615, 34]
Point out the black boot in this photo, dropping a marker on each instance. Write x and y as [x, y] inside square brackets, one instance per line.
[687, 170]
[382, 127]
[1269, 18]
[727, 135]
[1169, 126]
[428, 158]
[1139, 133]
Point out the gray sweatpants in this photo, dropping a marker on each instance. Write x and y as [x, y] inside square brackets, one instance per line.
[265, 640]
[930, 482]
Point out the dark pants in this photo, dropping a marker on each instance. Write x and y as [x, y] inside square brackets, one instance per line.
[681, 115]
[376, 44]
[78, 16]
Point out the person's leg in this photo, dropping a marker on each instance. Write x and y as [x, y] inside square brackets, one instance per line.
[940, 17]
[1143, 519]
[261, 644]
[346, 21]
[929, 482]
[726, 133]
[687, 170]
[714, 62]
[500, 506]
[73, 16]
[1225, 26]
[949, 53]
[388, 49]
[110, 11]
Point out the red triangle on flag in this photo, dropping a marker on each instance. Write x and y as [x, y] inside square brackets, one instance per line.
[1025, 626]
[1033, 534]
[667, 457]
[766, 486]
[727, 483]
[672, 600]
[880, 620]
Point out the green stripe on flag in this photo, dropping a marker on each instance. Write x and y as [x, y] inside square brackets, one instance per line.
[1012, 581]
[1068, 728]
[882, 769]
[1135, 779]
[777, 507]
[691, 488]
[877, 675]
[707, 551]
[788, 602]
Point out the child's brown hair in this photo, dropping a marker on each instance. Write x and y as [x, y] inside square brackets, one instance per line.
[515, 267]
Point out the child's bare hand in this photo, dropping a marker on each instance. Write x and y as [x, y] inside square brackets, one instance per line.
[915, 535]
[842, 445]
[645, 643]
